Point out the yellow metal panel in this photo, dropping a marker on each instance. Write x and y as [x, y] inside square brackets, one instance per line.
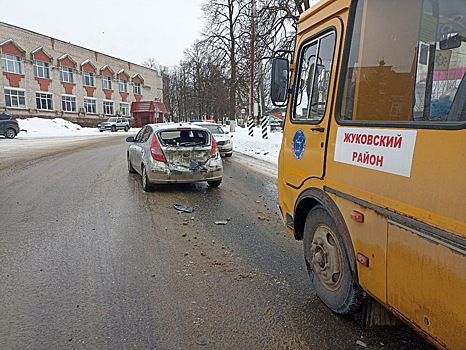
[435, 191]
[427, 284]
[370, 239]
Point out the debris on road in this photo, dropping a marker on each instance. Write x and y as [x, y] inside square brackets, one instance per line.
[221, 222]
[184, 208]
[361, 343]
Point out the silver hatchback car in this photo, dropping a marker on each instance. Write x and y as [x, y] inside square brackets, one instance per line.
[174, 153]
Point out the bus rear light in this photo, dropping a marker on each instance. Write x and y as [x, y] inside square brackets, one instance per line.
[363, 260]
[357, 216]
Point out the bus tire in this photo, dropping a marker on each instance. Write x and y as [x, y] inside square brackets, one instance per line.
[328, 265]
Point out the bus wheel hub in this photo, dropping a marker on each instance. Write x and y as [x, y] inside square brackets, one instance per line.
[326, 257]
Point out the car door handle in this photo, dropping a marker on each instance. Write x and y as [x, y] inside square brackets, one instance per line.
[318, 129]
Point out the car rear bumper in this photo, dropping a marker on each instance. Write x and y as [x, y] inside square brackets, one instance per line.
[157, 177]
[12, 126]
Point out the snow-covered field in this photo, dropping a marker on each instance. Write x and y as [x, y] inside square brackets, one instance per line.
[255, 146]
[38, 127]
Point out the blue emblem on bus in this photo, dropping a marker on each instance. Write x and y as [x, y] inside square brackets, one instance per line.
[299, 144]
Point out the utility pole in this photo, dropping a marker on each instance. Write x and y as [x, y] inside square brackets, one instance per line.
[251, 69]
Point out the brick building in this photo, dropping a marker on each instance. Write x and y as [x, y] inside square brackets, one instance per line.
[44, 77]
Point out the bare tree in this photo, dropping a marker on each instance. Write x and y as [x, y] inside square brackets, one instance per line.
[225, 21]
[213, 78]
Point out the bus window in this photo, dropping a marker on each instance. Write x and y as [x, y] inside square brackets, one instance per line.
[391, 56]
[315, 64]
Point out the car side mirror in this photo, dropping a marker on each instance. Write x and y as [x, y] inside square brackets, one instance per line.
[130, 139]
[280, 76]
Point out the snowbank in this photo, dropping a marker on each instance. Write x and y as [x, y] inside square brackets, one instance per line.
[58, 127]
[255, 146]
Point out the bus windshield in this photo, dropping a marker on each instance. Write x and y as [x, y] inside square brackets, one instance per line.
[407, 62]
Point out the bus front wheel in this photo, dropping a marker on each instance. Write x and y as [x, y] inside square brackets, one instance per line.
[327, 263]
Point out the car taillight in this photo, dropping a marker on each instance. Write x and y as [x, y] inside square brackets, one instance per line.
[214, 147]
[156, 150]
[15, 121]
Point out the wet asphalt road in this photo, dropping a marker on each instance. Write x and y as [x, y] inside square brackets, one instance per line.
[90, 261]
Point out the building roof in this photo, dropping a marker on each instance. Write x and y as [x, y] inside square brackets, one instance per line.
[161, 107]
[148, 106]
[143, 106]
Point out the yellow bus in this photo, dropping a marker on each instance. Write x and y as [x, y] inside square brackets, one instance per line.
[372, 167]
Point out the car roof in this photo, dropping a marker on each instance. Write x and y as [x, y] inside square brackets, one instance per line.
[206, 123]
[172, 126]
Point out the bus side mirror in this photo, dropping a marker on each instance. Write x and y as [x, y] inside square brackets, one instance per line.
[280, 75]
[451, 42]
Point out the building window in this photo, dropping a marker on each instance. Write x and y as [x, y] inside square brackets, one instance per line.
[90, 105]
[44, 101]
[137, 89]
[124, 109]
[41, 69]
[107, 82]
[108, 108]
[123, 85]
[68, 103]
[88, 79]
[66, 75]
[15, 98]
[12, 63]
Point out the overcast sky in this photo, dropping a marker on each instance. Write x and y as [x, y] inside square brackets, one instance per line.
[133, 30]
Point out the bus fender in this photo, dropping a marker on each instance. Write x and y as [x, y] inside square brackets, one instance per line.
[307, 200]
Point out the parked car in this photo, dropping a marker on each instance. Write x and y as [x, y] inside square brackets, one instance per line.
[174, 153]
[114, 124]
[223, 139]
[8, 126]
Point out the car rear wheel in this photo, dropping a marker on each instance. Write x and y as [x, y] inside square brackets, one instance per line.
[126, 128]
[10, 133]
[146, 185]
[214, 184]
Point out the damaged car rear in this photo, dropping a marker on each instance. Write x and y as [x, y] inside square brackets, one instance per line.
[174, 153]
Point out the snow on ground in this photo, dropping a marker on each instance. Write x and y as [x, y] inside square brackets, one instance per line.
[38, 127]
[255, 146]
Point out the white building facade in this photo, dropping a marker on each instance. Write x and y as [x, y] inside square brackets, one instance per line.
[44, 77]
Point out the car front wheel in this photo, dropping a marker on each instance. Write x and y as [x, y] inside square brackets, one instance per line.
[130, 167]
[10, 133]
[113, 128]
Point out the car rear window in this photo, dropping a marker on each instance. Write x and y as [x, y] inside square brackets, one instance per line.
[184, 137]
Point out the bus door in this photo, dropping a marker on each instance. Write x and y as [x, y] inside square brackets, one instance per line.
[305, 137]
